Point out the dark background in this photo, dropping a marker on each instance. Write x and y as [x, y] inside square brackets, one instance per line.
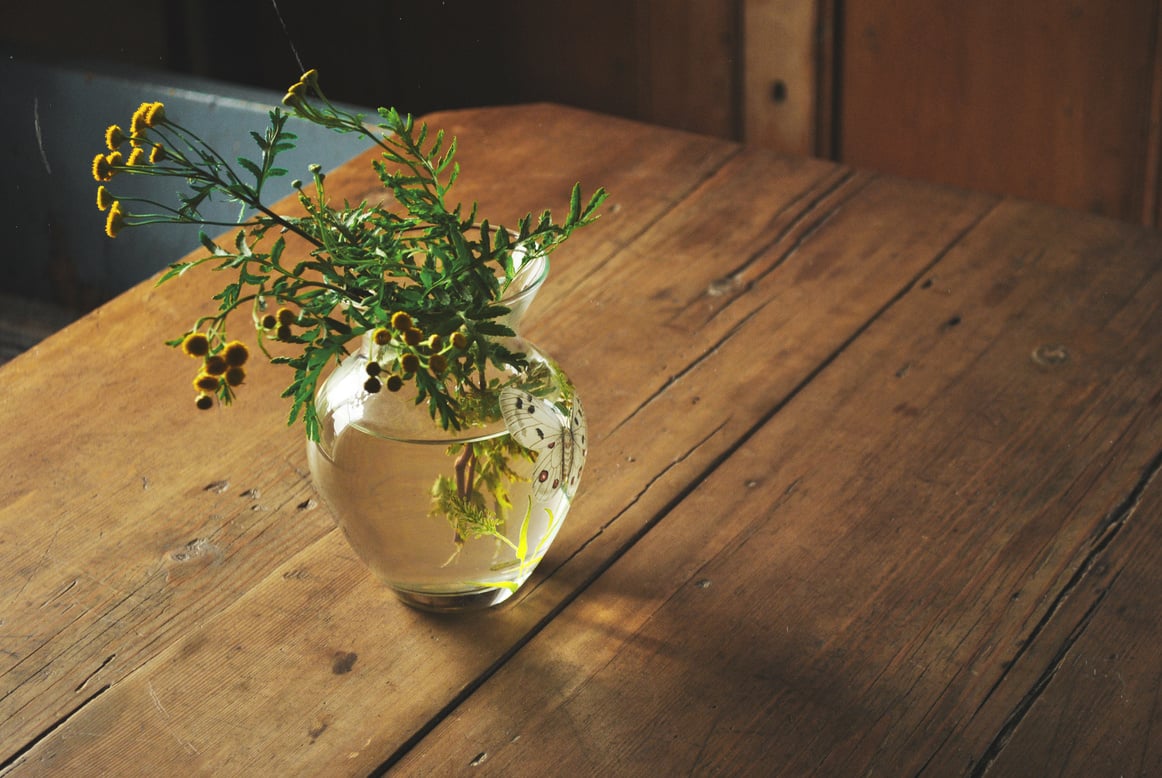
[418, 56]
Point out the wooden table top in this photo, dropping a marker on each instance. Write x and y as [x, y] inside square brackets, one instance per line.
[871, 490]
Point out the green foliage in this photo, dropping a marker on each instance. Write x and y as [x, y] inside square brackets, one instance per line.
[423, 255]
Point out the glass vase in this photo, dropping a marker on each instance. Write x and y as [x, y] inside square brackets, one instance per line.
[452, 520]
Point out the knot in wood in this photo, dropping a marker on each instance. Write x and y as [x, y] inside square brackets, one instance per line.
[1050, 355]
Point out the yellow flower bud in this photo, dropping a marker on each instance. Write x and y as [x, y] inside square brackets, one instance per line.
[138, 125]
[294, 95]
[114, 137]
[236, 353]
[215, 365]
[196, 344]
[154, 114]
[104, 199]
[135, 156]
[115, 220]
[206, 382]
[101, 169]
[401, 321]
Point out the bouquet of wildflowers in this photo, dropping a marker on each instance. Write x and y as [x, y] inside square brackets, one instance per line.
[420, 273]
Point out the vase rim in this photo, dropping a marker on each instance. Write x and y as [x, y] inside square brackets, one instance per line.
[526, 281]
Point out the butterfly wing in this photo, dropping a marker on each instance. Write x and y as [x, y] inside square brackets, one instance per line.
[535, 424]
[575, 445]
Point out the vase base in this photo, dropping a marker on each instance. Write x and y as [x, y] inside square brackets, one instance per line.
[453, 602]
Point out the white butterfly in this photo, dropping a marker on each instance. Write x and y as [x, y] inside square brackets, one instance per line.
[560, 449]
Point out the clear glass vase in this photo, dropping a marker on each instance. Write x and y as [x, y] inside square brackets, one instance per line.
[452, 520]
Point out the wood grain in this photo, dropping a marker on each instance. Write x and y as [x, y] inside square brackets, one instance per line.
[924, 563]
[872, 461]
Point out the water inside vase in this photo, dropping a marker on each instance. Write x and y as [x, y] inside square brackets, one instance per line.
[382, 493]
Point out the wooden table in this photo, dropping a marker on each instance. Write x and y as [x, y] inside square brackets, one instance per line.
[872, 489]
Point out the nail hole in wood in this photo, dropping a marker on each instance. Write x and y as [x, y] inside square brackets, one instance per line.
[779, 91]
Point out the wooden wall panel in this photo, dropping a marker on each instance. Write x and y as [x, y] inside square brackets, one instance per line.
[1042, 99]
[688, 65]
[785, 75]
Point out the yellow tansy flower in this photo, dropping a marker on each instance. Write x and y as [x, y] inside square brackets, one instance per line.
[236, 353]
[412, 337]
[216, 365]
[394, 383]
[235, 375]
[459, 340]
[401, 321]
[294, 95]
[101, 171]
[115, 221]
[138, 124]
[157, 154]
[410, 363]
[437, 363]
[206, 382]
[104, 199]
[114, 137]
[154, 114]
[196, 344]
[135, 157]
[204, 402]
[381, 337]
[286, 316]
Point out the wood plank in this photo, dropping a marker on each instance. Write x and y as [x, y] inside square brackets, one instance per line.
[1089, 710]
[671, 292]
[1035, 99]
[875, 580]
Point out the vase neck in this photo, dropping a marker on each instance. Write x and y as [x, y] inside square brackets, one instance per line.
[523, 289]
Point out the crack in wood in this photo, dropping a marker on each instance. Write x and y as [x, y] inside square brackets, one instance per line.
[51, 728]
[91, 675]
[732, 281]
[1105, 533]
[673, 379]
[810, 228]
[1017, 715]
[681, 197]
